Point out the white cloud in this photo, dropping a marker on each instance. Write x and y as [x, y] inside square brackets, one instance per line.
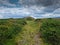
[1, 17]
[18, 11]
[57, 11]
[14, 12]
[34, 11]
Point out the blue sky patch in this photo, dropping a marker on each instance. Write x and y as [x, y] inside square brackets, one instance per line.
[13, 1]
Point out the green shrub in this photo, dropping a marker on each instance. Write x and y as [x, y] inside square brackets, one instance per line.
[9, 29]
[50, 31]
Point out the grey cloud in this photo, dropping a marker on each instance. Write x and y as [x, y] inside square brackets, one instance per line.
[49, 2]
[45, 3]
[40, 2]
[50, 5]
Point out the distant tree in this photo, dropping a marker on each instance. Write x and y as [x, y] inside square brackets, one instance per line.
[29, 18]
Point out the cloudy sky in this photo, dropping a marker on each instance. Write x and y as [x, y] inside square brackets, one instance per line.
[33, 8]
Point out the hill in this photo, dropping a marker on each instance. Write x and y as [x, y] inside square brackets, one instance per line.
[30, 31]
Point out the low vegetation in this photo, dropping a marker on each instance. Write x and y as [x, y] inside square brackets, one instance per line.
[50, 31]
[29, 31]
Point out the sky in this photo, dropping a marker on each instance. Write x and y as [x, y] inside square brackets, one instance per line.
[33, 8]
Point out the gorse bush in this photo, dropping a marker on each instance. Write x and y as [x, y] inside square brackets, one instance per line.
[50, 31]
[9, 29]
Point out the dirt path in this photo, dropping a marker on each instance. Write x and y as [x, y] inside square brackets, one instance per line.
[30, 34]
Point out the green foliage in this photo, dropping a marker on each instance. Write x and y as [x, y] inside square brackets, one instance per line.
[9, 29]
[38, 20]
[50, 31]
[12, 28]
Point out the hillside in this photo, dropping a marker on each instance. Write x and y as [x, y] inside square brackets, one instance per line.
[30, 31]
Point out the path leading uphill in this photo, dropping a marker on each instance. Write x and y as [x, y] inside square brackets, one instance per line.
[30, 34]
